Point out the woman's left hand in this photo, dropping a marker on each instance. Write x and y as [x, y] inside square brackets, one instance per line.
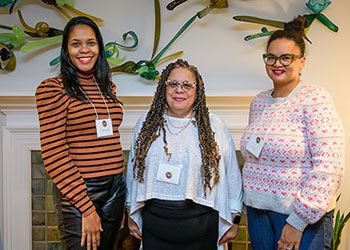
[91, 228]
[230, 234]
[290, 238]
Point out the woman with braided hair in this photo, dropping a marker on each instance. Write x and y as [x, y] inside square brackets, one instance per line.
[294, 153]
[184, 184]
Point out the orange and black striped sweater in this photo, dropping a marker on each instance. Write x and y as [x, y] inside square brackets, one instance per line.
[70, 148]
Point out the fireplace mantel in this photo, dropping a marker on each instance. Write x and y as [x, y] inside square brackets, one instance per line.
[19, 135]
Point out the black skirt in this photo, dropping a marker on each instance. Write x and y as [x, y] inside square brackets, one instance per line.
[108, 196]
[175, 225]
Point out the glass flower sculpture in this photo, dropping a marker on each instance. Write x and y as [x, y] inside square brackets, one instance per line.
[315, 6]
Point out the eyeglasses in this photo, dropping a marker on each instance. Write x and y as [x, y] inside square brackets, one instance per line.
[185, 85]
[285, 59]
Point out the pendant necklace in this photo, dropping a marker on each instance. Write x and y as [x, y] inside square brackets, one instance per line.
[181, 128]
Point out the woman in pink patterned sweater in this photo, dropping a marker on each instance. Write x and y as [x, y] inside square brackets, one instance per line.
[294, 153]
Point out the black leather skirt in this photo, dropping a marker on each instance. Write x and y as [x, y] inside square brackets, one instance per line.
[174, 225]
[108, 196]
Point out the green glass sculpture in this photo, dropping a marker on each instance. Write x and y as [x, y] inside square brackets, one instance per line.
[7, 59]
[65, 7]
[41, 29]
[214, 3]
[316, 6]
[15, 39]
[147, 68]
[9, 4]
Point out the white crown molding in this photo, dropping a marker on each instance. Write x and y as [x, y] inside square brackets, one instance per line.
[250, 92]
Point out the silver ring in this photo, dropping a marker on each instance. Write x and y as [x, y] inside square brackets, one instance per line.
[288, 248]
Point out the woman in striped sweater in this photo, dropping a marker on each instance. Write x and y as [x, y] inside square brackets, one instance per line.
[79, 117]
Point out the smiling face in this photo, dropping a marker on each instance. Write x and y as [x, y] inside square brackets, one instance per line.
[284, 75]
[83, 49]
[180, 101]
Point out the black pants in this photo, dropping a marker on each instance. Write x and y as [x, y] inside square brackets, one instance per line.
[108, 196]
[174, 225]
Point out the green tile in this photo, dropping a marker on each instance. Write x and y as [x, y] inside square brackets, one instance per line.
[38, 233]
[36, 157]
[240, 159]
[49, 185]
[52, 234]
[126, 157]
[38, 218]
[244, 220]
[47, 176]
[38, 202]
[239, 246]
[50, 204]
[54, 246]
[38, 187]
[126, 154]
[52, 219]
[242, 234]
[38, 171]
[38, 246]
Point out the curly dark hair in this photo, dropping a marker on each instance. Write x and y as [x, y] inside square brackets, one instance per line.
[154, 125]
[293, 30]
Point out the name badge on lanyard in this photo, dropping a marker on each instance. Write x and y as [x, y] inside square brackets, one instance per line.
[169, 173]
[104, 127]
[255, 145]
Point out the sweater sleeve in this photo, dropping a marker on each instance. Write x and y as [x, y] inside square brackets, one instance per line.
[325, 138]
[233, 173]
[234, 177]
[129, 172]
[52, 106]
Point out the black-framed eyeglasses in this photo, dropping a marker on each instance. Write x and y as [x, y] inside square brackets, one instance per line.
[285, 59]
[185, 85]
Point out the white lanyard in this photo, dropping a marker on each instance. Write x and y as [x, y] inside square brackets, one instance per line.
[256, 143]
[109, 116]
[104, 127]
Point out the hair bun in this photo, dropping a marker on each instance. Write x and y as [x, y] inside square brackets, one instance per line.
[296, 25]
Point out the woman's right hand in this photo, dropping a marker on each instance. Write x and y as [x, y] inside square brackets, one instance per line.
[133, 228]
[90, 231]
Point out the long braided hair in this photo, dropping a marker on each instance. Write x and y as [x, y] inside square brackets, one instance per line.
[154, 125]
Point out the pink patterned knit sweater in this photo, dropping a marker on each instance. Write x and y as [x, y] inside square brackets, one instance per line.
[301, 164]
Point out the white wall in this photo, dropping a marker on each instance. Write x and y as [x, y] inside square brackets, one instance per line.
[229, 65]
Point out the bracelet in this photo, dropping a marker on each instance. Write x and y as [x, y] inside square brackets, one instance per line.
[236, 218]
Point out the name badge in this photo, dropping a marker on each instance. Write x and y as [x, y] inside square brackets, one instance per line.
[104, 127]
[255, 145]
[169, 173]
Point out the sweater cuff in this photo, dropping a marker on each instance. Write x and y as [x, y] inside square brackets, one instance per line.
[295, 221]
[88, 211]
[235, 206]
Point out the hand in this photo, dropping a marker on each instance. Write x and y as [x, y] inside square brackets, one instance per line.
[230, 234]
[134, 229]
[90, 231]
[290, 238]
